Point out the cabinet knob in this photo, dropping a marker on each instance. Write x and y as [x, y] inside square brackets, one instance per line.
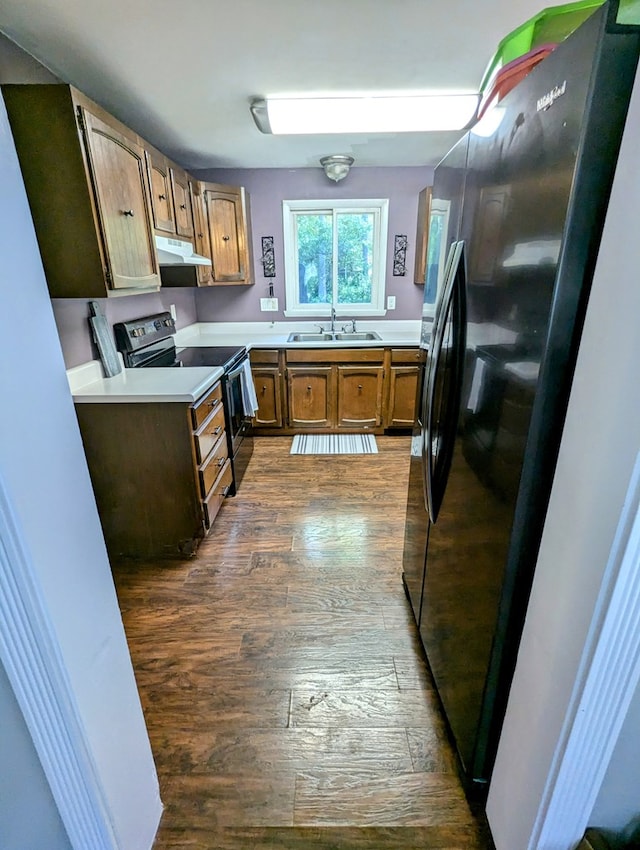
[264, 389]
[128, 212]
[218, 429]
[360, 387]
[225, 238]
[183, 206]
[308, 389]
[222, 461]
[162, 197]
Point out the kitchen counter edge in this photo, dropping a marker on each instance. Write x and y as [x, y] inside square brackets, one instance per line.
[89, 385]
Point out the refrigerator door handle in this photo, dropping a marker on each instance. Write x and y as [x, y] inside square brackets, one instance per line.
[453, 298]
[425, 412]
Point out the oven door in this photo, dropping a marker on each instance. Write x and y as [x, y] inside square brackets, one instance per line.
[239, 425]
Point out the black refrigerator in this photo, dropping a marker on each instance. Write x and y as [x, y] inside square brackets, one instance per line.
[525, 195]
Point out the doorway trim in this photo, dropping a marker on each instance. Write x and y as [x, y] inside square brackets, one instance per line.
[607, 678]
[33, 662]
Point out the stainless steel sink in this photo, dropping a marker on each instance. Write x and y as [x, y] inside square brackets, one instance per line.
[357, 336]
[310, 338]
[331, 337]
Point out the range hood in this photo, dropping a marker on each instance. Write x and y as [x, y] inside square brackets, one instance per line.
[178, 252]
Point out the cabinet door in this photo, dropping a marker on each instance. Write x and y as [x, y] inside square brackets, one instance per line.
[161, 192]
[228, 236]
[311, 395]
[182, 202]
[422, 236]
[403, 386]
[266, 380]
[360, 396]
[200, 232]
[118, 171]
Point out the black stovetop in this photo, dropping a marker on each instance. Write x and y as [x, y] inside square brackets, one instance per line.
[216, 355]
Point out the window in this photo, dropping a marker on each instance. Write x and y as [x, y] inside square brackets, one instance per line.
[335, 255]
[436, 248]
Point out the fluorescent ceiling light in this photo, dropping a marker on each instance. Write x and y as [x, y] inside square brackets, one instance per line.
[383, 114]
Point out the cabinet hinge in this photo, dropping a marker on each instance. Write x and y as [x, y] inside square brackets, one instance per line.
[81, 123]
[107, 276]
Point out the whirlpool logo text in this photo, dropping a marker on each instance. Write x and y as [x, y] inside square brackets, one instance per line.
[550, 98]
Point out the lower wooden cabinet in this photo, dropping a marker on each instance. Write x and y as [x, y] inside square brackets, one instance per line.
[311, 394]
[360, 397]
[406, 369]
[160, 472]
[335, 389]
[267, 379]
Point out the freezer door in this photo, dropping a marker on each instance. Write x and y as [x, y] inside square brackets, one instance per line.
[416, 531]
[443, 383]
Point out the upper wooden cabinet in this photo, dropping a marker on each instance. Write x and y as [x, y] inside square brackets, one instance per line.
[182, 202]
[170, 196]
[204, 276]
[422, 235]
[161, 191]
[86, 180]
[229, 234]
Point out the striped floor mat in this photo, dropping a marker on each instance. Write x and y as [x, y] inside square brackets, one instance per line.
[334, 444]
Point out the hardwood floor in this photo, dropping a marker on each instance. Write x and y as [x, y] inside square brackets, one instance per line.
[285, 693]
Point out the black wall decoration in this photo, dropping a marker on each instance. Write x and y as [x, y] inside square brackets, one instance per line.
[400, 256]
[268, 257]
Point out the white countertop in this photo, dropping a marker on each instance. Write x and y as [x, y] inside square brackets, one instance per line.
[275, 334]
[89, 385]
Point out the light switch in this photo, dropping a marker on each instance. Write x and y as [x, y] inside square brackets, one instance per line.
[391, 302]
[268, 304]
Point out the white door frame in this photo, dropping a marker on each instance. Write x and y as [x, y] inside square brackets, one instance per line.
[33, 662]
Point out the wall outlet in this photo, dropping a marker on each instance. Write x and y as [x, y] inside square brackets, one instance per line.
[268, 304]
[172, 310]
[391, 302]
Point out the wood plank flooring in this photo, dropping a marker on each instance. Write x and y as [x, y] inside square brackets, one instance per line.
[285, 693]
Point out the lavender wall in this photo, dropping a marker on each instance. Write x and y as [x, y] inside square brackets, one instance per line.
[72, 318]
[268, 187]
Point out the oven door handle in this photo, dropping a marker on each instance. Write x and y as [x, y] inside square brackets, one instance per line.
[231, 376]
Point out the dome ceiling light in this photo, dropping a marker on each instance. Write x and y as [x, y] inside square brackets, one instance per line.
[337, 166]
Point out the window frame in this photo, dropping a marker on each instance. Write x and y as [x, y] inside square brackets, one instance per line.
[380, 209]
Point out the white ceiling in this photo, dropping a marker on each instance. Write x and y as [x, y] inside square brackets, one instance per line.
[182, 73]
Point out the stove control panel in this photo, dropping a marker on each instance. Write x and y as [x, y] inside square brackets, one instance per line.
[132, 335]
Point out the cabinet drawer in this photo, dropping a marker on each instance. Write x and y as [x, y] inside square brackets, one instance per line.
[217, 495]
[407, 355]
[335, 355]
[209, 433]
[210, 469]
[202, 409]
[263, 355]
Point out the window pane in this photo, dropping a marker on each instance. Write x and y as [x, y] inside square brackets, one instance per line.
[355, 257]
[315, 257]
[434, 248]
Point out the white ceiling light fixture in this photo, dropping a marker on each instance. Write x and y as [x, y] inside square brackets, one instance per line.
[337, 166]
[364, 114]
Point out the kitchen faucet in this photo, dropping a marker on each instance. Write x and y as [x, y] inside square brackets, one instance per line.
[333, 319]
